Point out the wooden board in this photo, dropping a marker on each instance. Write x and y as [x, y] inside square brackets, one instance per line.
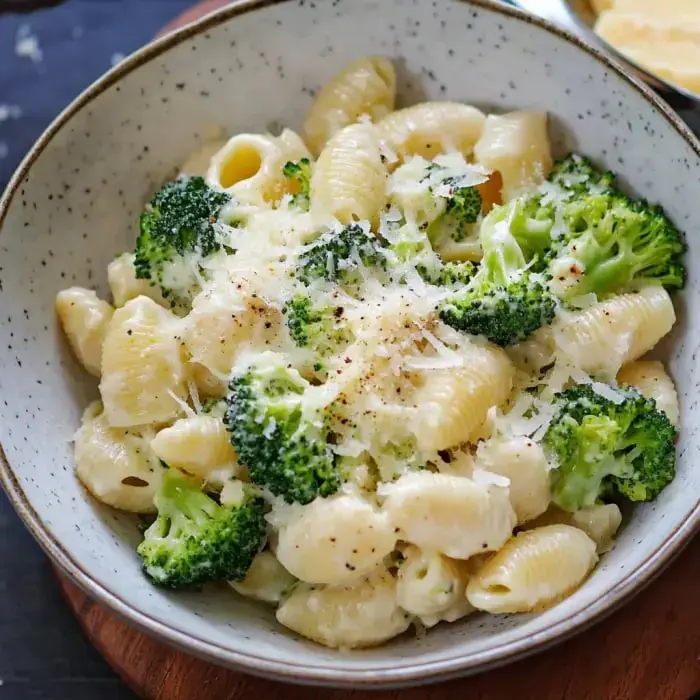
[648, 650]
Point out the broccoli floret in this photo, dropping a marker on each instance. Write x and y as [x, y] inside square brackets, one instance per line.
[460, 205]
[177, 233]
[462, 211]
[578, 176]
[317, 326]
[277, 434]
[410, 246]
[194, 539]
[604, 448]
[451, 274]
[531, 219]
[299, 171]
[337, 256]
[615, 244]
[505, 301]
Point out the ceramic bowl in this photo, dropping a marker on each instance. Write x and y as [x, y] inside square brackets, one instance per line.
[74, 203]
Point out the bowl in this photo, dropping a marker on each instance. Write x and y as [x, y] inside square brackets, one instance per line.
[578, 17]
[73, 204]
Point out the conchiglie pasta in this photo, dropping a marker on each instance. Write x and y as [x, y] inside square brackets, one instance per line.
[85, 319]
[517, 146]
[116, 466]
[452, 515]
[349, 181]
[266, 580]
[335, 540]
[523, 462]
[225, 320]
[535, 569]
[249, 166]
[431, 128]
[652, 380]
[362, 614]
[603, 337]
[208, 385]
[199, 445]
[143, 377]
[366, 86]
[124, 285]
[432, 586]
[453, 404]
[600, 522]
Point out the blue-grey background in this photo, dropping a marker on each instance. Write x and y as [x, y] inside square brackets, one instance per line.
[43, 654]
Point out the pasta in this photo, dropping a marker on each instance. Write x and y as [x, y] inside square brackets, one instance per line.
[124, 284]
[142, 370]
[224, 319]
[432, 587]
[517, 146]
[267, 580]
[249, 166]
[116, 466]
[609, 334]
[357, 615]
[335, 541]
[533, 570]
[523, 462]
[349, 181]
[389, 385]
[366, 87]
[430, 129]
[85, 319]
[454, 403]
[449, 514]
[650, 377]
[199, 445]
[600, 522]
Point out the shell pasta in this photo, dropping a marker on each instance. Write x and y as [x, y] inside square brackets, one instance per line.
[388, 370]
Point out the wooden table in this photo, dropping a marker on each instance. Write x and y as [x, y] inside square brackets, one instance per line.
[649, 650]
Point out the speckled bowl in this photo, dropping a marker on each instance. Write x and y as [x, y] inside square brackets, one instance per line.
[73, 204]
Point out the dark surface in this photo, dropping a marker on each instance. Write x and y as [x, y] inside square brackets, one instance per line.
[43, 654]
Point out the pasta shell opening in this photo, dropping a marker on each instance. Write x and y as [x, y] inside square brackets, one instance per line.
[241, 163]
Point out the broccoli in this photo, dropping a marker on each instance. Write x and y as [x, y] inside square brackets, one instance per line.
[177, 232]
[337, 256]
[578, 176]
[614, 244]
[411, 246]
[299, 172]
[531, 220]
[316, 325]
[604, 448]
[463, 209]
[504, 301]
[458, 205]
[194, 539]
[451, 274]
[278, 434]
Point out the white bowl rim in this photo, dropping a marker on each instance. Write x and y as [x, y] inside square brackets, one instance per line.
[388, 676]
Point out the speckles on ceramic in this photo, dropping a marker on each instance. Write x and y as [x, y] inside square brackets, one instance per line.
[76, 206]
